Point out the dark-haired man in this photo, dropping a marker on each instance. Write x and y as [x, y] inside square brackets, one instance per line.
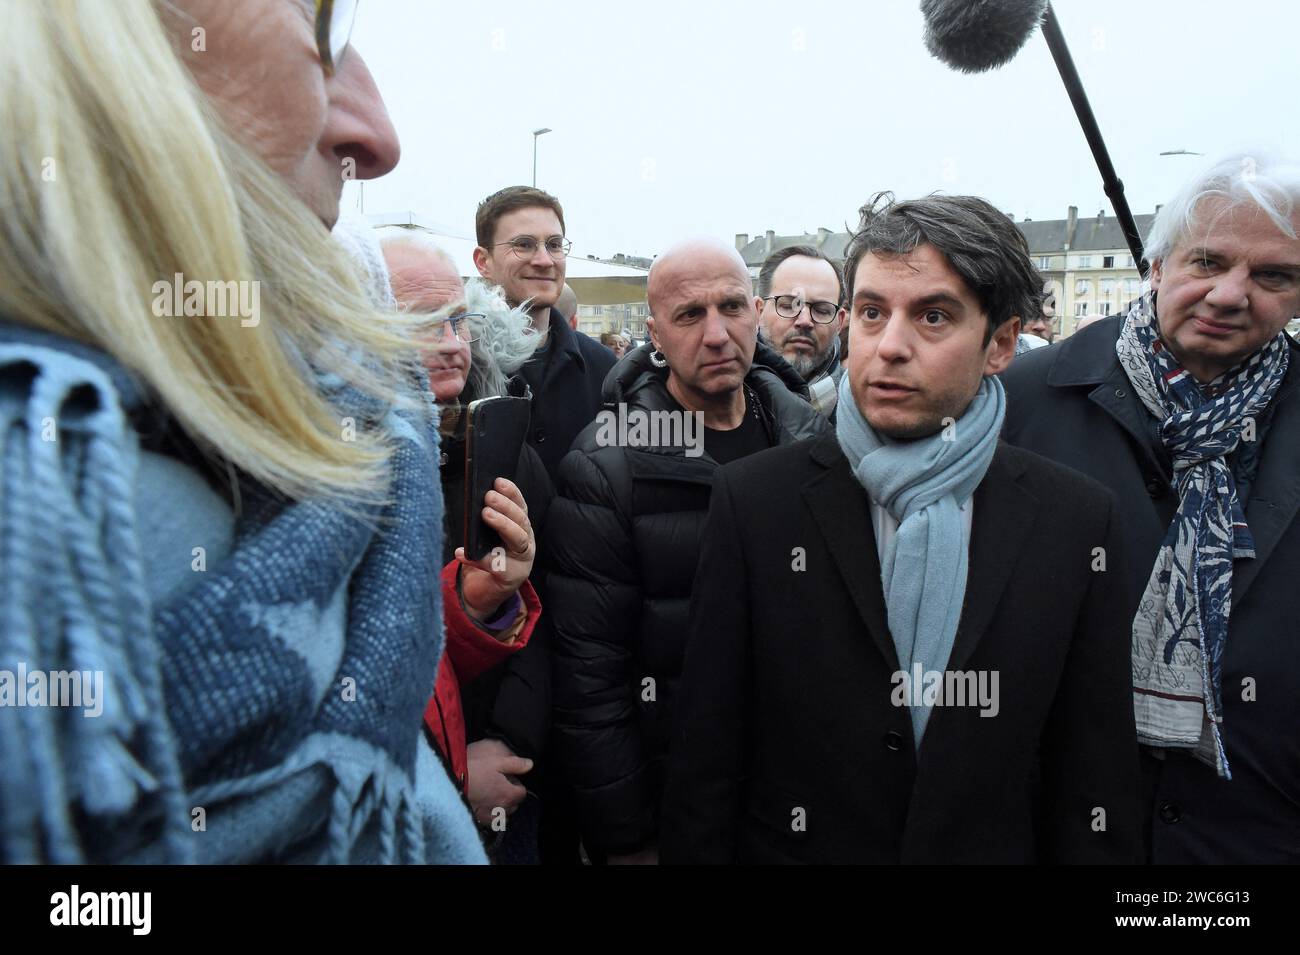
[523, 249]
[863, 683]
[799, 299]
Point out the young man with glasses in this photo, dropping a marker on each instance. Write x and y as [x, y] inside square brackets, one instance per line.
[522, 248]
[800, 315]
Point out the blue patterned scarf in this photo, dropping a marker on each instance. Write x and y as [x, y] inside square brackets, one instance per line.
[923, 484]
[271, 710]
[1181, 626]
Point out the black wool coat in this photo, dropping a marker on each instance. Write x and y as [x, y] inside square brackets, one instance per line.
[791, 745]
[624, 535]
[566, 390]
[1073, 402]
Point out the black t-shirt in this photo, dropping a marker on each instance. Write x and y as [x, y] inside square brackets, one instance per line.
[749, 437]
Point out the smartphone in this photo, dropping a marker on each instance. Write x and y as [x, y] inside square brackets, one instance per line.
[494, 438]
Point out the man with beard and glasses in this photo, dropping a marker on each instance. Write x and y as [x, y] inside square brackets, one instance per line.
[800, 315]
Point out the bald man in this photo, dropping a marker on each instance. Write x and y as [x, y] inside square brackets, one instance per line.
[624, 532]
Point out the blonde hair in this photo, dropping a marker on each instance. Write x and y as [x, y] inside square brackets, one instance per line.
[116, 173]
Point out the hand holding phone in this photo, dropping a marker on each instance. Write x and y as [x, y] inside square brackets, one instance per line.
[487, 583]
[494, 438]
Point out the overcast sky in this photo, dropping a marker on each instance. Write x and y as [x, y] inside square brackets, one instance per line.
[687, 117]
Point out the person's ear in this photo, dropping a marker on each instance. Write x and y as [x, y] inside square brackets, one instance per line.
[650, 330]
[483, 263]
[1156, 273]
[1002, 347]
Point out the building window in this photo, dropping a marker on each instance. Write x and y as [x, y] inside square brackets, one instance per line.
[1108, 261]
[1107, 286]
[1044, 261]
[1082, 287]
[1131, 287]
[1080, 309]
[1128, 262]
[1084, 262]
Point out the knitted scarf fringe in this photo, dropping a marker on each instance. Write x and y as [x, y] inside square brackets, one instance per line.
[70, 547]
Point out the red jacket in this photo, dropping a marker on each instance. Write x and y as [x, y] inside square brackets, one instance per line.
[470, 651]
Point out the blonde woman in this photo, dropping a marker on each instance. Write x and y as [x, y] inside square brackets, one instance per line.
[219, 546]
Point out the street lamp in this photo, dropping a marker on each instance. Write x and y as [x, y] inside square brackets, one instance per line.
[536, 133]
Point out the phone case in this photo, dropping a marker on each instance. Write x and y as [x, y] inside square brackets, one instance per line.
[494, 438]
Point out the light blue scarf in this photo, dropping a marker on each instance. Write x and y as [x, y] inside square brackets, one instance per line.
[924, 484]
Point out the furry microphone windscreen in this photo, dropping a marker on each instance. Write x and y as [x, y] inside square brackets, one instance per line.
[977, 35]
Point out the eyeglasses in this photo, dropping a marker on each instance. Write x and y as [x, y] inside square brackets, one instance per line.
[525, 247]
[334, 19]
[789, 306]
[460, 326]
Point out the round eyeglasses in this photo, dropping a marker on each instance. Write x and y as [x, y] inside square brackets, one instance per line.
[526, 246]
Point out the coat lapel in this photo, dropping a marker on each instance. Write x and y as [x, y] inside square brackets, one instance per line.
[1089, 360]
[1115, 396]
[1004, 514]
[840, 507]
[1276, 494]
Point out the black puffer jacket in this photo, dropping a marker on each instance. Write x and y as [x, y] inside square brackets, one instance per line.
[624, 536]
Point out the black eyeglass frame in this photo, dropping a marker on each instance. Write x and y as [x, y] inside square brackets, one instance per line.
[790, 311]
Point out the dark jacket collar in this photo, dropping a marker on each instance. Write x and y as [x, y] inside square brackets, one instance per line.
[564, 340]
[1086, 357]
[782, 394]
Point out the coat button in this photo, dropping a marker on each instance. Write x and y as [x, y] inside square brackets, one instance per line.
[539, 435]
[1121, 393]
[894, 740]
[442, 458]
[1170, 812]
[1156, 487]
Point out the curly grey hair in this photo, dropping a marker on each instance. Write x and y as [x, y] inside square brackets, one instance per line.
[506, 339]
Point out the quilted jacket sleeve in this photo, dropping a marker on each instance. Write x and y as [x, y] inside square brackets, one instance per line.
[595, 598]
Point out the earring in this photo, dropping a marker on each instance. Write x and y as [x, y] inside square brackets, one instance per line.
[657, 359]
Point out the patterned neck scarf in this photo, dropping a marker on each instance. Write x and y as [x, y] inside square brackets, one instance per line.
[1181, 626]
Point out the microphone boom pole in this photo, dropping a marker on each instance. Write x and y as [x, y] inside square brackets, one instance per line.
[1110, 180]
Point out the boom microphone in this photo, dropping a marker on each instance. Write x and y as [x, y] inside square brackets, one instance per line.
[977, 35]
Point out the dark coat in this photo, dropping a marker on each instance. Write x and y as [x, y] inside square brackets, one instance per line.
[1073, 402]
[624, 534]
[510, 702]
[566, 390]
[786, 714]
